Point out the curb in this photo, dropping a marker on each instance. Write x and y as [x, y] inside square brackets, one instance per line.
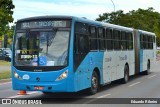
[5, 80]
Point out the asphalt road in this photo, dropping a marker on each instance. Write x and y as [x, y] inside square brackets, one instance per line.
[141, 86]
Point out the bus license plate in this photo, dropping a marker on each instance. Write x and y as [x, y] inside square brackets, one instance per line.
[38, 88]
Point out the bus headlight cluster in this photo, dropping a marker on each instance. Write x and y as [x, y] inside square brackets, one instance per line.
[62, 76]
[16, 75]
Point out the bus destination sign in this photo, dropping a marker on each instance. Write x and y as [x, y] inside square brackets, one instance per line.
[44, 24]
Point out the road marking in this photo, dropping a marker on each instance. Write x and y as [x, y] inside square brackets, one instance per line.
[104, 96]
[16, 96]
[5, 83]
[94, 99]
[152, 76]
[134, 84]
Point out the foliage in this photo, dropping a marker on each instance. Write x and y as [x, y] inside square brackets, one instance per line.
[148, 20]
[5, 74]
[4, 63]
[6, 12]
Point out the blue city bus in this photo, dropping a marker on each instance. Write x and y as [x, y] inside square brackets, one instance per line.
[69, 54]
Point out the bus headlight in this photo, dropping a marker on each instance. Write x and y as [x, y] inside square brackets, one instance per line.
[62, 76]
[16, 75]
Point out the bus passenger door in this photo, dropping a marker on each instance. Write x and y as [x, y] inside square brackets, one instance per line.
[80, 60]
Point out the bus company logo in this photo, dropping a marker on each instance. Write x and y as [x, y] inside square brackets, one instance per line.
[26, 77]
[108, 59]
[123, 58]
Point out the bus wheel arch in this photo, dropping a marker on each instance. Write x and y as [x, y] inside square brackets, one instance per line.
[95, 82]
[98, 73]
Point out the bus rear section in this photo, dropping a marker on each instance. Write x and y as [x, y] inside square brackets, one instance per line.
[145, 51]
[42, 56]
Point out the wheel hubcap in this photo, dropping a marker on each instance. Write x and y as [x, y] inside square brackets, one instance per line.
[94, 82]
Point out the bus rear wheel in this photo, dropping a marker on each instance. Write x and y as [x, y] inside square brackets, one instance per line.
[126, 75]
[94, 84]
[148, 69]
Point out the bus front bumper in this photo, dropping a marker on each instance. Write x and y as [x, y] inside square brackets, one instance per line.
[60, 86]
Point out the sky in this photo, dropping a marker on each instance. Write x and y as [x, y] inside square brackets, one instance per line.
[81, 8]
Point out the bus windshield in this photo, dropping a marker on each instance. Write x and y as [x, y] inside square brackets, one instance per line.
[41, 48]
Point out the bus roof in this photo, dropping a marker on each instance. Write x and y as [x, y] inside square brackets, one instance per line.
[146, 32]
[85, 20]
[108, 25]
[117, 27]
[45, 17]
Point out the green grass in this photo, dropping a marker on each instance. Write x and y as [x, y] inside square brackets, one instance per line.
[5, 75]
[158, 52]
[4, 63]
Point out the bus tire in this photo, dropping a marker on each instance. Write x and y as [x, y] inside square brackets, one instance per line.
[46, 93]
[94, 84]
[148, 69]
[126, 75]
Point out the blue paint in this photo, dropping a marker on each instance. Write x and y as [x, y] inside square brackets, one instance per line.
[86, 69]
[141, 60]
[91, 61]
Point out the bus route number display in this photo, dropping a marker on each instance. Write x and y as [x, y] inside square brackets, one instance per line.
[28, 57]
[43, 24]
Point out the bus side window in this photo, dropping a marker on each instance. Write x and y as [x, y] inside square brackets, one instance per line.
[144, 41]
[123, 40]
[117, 41]
[130, 41]
[93, 38]
[154, 39]
[101, 37]
[141, 41]
[109, 39]
[81, 38]
[82, 42]
[150, 43]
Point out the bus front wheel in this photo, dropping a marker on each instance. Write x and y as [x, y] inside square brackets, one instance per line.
[94, 84]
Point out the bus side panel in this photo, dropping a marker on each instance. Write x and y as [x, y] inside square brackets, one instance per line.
[143, 59]
[131, 58]
[121, 59]
[84, 71]
[153, 54]
[107, 66]
[152, 58]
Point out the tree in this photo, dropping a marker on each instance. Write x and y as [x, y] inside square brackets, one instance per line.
[148, 20]
[6, 12]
